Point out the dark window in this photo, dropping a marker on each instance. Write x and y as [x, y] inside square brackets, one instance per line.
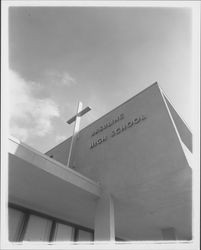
[29, 225]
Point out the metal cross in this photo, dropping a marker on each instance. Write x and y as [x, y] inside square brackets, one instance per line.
[77, 119]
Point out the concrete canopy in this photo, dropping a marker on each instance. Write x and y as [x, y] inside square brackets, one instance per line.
[42, 184]
[135, 153]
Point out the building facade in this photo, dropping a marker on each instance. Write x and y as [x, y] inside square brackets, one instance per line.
[129, 179]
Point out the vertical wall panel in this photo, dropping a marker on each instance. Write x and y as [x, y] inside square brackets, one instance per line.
[15, 221]
[38, 229]
[63, 232]
[85, 236]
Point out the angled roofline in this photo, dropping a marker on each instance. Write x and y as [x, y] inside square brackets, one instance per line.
[183, 132]
[174, 107]
[155, 83]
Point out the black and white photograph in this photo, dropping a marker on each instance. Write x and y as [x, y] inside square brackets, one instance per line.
[100, 131]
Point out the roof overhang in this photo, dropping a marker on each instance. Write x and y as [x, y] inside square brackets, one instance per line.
[41, 183]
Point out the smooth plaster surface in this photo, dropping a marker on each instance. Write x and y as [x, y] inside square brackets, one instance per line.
[144, 168]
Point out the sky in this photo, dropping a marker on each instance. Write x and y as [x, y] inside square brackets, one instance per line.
[101, 56]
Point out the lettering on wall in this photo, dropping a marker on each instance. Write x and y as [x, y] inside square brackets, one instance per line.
[132, 123]
[108, 124]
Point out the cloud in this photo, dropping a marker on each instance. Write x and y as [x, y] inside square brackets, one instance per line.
[19, 132]
[29, 116]
[60, 78]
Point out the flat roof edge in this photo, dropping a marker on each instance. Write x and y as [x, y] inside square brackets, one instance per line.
[54, 162]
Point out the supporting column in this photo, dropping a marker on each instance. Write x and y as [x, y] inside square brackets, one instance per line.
[168, 233]
[104, 219]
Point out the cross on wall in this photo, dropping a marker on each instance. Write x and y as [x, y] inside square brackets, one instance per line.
[76, 118]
